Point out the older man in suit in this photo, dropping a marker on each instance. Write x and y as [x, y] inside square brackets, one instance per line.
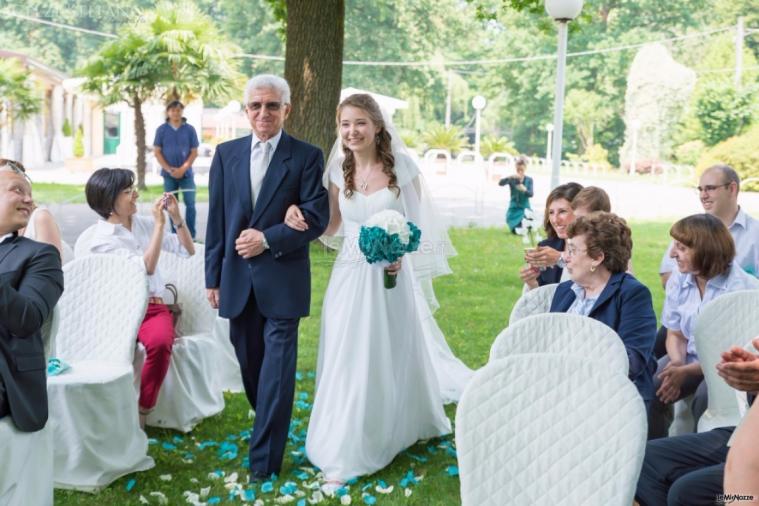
[257, 268]
[31, 282]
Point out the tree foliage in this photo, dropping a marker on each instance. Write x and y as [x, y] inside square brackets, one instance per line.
[173, 51]
[17, 92]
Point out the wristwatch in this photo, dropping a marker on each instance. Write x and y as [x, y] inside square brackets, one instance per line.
[264, 241]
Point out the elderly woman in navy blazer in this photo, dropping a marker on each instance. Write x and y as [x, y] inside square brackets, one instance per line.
[597, 252]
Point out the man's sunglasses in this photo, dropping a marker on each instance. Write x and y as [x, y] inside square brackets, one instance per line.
[269, 106]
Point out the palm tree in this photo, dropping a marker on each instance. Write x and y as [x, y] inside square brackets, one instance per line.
[171, 52]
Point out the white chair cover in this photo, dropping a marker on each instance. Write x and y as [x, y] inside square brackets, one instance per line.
[729, 320]
[49, 329]
[683, 422]
[93, 406]
[229, 376]
[80, 246]
[537, 300]
[565, 333]
[549, 429]
[190, 391]
[27, 470]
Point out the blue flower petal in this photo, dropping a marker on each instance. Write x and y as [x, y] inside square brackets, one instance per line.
[130, 484]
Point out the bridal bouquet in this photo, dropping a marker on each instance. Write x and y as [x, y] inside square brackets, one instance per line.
[529, 230]
[386, 237]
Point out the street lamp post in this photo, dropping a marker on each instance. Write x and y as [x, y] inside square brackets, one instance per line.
[562, 11]
[549, 129]
[479, 104]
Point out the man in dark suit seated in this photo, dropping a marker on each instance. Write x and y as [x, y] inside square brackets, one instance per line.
[31, 282]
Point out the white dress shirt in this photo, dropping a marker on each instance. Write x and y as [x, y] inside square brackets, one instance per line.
[257, 152]
[683, 302]
[745, 232]
[117, 240]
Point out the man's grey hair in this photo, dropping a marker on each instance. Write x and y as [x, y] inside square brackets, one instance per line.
[728, 173]
[267, 81]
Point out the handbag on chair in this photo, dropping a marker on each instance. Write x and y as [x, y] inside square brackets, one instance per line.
[175, 308]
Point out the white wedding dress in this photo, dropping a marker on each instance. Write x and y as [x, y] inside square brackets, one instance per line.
[377, 391]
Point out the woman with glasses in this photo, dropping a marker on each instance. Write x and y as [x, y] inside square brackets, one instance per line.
[111, 194]
[42, 226]
[598, 250]
[704, 252]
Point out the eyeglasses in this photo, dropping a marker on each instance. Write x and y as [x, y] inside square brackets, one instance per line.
[710, 188]
[572, 251]
[269, 106]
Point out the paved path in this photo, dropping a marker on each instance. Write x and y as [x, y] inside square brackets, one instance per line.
[461, 201]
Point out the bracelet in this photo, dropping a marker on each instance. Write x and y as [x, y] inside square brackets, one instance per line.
[179, 225]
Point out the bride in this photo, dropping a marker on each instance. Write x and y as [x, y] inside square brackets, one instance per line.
[384, 368]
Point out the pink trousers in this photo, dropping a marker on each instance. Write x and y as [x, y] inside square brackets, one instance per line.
[157, 336]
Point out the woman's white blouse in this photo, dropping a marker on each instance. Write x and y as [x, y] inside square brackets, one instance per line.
[683, 302]
[117, 240]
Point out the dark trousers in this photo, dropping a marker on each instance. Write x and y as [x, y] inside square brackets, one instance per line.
[187, 183]
[660, 345]
[267, 349]
[661, 415]
[684, 470]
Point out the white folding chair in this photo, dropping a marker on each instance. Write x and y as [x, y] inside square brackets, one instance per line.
[93, 406]
[729, 320]
[27, 475]
[568, 333]
[190, 391]
[549, 429]
[537, 300]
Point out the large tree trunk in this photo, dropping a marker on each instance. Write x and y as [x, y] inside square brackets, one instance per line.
[313, 67]
[139, 132]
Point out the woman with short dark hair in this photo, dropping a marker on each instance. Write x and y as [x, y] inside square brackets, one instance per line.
[111, 194]
[598, 250]
[704, 251]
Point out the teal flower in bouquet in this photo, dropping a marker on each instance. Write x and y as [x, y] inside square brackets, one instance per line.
[386, 237]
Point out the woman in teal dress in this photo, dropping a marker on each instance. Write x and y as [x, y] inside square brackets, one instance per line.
[521, 191]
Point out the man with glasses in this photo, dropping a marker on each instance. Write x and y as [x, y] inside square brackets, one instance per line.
[257, 268]
[718, 191]
[31, 282]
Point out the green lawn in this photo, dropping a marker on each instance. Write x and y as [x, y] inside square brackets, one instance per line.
[475, 304]
[55, 193]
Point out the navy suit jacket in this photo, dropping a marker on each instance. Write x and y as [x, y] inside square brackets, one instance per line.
[552, 274]
[31, 282]
[280, 277]
[624, 305]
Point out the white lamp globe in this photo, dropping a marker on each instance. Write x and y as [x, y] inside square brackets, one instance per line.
[563, 9]
[479, 102]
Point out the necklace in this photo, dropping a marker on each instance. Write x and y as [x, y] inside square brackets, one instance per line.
[365, 183]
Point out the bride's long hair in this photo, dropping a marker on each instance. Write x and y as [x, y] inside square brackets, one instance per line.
[366, 103]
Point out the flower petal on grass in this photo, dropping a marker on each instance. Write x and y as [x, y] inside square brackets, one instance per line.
[162, 499]
[130, 484]
[165, 477]
[452, 470]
